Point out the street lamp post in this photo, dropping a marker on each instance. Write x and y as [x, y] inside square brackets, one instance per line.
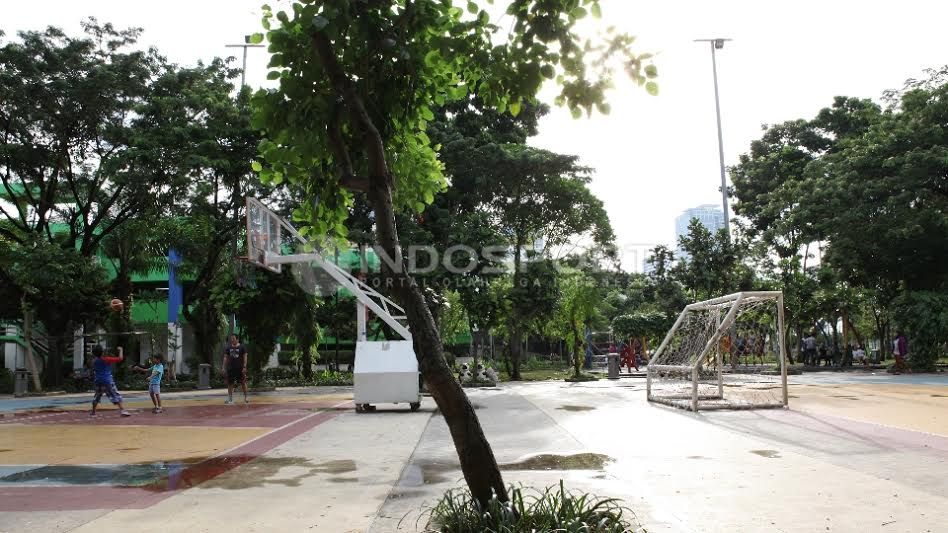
[717, 44]
[232, 322]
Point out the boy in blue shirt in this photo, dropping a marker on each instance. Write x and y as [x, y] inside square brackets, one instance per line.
[104, 384]
[157, 370]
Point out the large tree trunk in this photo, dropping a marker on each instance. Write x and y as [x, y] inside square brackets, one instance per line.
[28, 346]
[474, 452]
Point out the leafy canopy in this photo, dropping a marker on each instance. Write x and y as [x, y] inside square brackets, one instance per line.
[406, 59]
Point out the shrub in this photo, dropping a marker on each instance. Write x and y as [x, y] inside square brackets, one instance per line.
[924, 317]
[6, 381]
[534, 364]
[552, 509]
[281, 377]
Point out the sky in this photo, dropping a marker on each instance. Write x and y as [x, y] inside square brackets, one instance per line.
[653, 156]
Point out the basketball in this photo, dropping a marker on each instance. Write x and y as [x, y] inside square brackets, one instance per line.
[117, 305]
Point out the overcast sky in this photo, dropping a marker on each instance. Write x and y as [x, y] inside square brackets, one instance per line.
[654, 156]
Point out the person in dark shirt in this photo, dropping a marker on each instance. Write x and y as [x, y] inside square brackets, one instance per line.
[235, 368]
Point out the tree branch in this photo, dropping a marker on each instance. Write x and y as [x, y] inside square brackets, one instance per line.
[378, 168]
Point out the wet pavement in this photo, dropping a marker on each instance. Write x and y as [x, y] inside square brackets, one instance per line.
[857, 452]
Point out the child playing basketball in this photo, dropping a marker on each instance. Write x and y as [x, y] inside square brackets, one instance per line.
[157, 370]
[104, 384]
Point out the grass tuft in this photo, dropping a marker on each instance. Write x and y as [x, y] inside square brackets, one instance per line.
[553, 509]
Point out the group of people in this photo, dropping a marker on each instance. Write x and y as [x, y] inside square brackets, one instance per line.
[816, 353]
[748, 345]
[632, 354]
[234, 366]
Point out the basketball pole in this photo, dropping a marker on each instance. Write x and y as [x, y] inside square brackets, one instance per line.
[232, 320]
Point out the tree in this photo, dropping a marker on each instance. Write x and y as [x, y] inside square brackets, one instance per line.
[357, 84]
[578, 306]
[306, 333]
[337, 315]
[195, 115]
[264, 311]
[864, 181]
[42, 276]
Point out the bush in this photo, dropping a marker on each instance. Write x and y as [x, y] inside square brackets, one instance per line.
[534, 364]
[289, 378]
[552, 509]
[924, 317]
[6, 381]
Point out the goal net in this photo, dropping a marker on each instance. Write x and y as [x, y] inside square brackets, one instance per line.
[724, 353]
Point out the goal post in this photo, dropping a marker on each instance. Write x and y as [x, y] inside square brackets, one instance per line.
[724, 353]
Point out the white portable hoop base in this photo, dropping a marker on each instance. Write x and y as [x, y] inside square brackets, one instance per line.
[384, 371]
[709, 358]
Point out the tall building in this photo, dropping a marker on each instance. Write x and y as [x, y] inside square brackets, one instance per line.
[710, 216]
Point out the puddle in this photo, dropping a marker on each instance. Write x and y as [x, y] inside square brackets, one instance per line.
[343, 479]
[545, 461]
[933, 396]
[128, 449]
[137, 475]
[286, 471]
[5, 450]
[575, 408]
[770, 454]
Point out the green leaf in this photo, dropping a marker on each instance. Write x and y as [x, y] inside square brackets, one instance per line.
[652, 88]
[483, 17]
[651, 71]
[431, 57]
[256, 166]
[578, 12]
[548, 71]
[576, 112]
[426, 113]
[256, 38]
[319, 22]
[515, 108]
[273, 75]
[596, 11]
[472, 7]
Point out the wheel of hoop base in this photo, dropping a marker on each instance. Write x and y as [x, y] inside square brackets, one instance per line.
[369, 408]
[359, 408]
[415, 406]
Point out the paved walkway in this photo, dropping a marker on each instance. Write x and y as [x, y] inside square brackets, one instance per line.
[855, 453]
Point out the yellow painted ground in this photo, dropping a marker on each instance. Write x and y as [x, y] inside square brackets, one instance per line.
[77, 445]
[145, 401]
[914, 407]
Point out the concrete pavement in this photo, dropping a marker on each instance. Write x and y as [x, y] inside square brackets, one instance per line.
[850, 455]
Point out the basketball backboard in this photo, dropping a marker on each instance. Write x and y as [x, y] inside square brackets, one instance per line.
[263, 234]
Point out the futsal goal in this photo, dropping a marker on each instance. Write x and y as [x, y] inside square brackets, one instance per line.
[723, 353]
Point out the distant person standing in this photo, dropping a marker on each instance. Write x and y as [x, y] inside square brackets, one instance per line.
[809, 350]
[859, 355]
[235, 368]
[900, 350]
